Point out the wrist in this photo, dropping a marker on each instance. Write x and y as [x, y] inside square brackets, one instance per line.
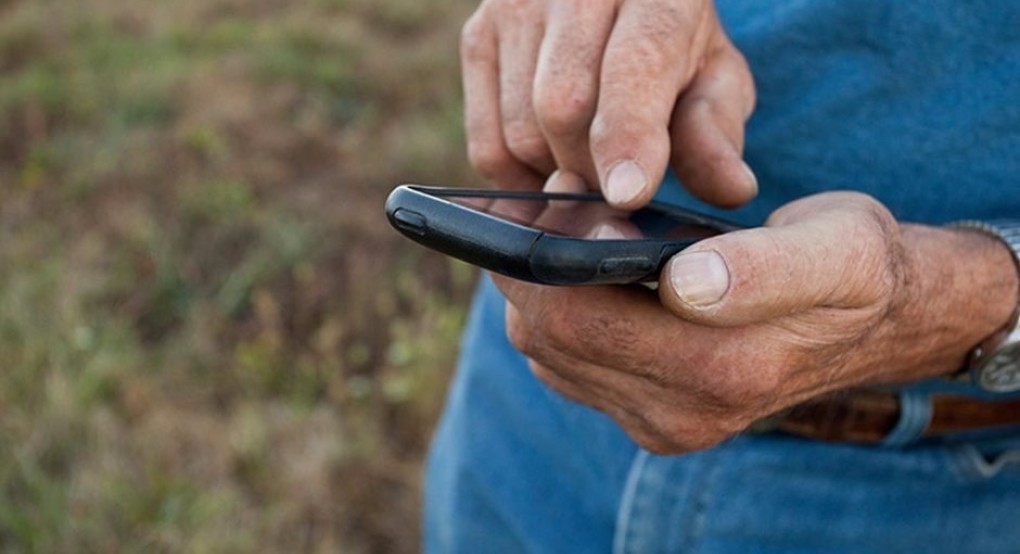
[958, 287]
[994, 364]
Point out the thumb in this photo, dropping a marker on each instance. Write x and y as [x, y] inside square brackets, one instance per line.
[829, 250]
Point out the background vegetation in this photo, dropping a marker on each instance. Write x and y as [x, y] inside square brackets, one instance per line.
[210, 340]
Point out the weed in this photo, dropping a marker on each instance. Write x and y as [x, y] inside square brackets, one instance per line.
[209, 338]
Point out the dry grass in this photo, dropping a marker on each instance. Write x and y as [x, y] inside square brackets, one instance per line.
[209, 338]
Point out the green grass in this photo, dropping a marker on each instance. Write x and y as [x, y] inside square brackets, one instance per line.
[210, 341]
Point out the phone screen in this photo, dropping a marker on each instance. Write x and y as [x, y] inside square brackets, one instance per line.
[589, 218]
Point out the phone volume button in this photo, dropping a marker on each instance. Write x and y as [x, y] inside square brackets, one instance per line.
[412, 222]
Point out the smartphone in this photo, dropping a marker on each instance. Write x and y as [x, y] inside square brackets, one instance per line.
[548, 238]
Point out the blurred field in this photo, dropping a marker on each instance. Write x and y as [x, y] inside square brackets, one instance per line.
[210, 340]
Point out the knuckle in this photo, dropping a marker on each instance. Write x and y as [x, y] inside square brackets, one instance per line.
[525, 141]
[755, 387]
[884, 222]
[564, 109]
[565, 387]
[698, 107]
[876, 252]
[545, 376]
[605, 129]
[738, 392]
[867, 207]
[666, 434]
[735, 65]
[650, 440]
[748, 91]
[631, 126]
[722, 426]
[730, 389]
[658, 446]
[520, 336]
[561, 329]
[600, 130]
[517, 6]
[663, 421]
[610, 341]
[650, 52]
[702, 441]
[488, 158]
[476, 40]
[684, 434]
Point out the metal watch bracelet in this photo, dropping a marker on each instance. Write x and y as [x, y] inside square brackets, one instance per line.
[994, 365]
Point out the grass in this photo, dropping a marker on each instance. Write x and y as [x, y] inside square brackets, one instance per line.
[210, 341]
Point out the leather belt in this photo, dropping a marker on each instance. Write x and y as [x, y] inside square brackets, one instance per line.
[868, 416]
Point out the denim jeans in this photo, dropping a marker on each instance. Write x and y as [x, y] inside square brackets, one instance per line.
[517, 468]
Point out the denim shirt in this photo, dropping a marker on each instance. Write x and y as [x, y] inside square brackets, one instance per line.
[915, 102]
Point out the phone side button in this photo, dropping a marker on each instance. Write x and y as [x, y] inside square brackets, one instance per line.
[629, 266]
[412, 222]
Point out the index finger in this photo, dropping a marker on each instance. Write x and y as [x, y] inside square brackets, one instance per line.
[567, 80]
[651, 55]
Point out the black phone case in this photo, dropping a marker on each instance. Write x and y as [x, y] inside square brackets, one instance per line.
[422, 214]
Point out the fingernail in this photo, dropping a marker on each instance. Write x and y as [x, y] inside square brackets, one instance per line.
[625, 182]
[564, 181]
[752, 179]
[605, 231]
[699, 278]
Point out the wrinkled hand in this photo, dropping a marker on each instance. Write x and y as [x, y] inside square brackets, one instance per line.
[607, 92]
[832, 293]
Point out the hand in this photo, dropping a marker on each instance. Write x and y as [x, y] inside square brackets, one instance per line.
[607, 92]
[832, 293]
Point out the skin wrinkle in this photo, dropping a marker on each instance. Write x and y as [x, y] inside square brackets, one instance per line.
[884, 263]
[789, 276]
[526, 143]
[723, 79]
[634, 423]
[524, 341]
[607, 384]
[683, 416]
[587, 334]
[604, 332]
[627, 344]
[712, 391]
[752, 267]
[925, 352]
[566, 110]
[769, 384]
[732, 70]
[702, 41]
[680, 147]
[581, 391]
[898, 279]
[652, 52]
[724, 349]
[669, 22]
